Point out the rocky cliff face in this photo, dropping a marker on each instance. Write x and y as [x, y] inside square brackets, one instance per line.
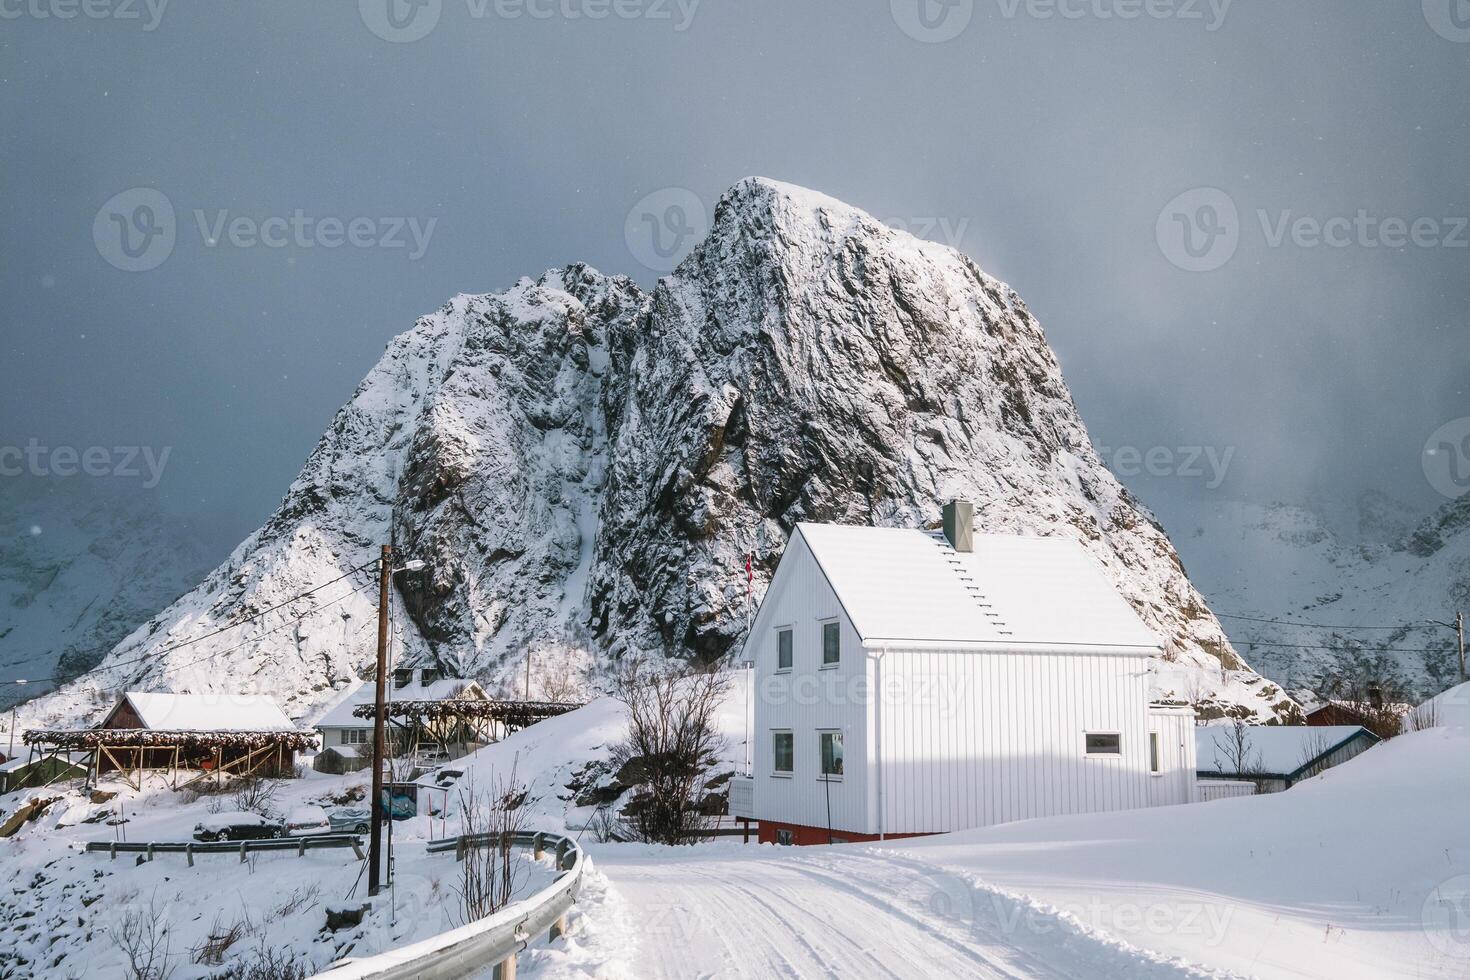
[585, 466]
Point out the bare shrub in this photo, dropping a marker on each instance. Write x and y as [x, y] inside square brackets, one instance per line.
[301, 899]
[268, 963]
[604, 825]
[142, 935]
[255, 795]
[671, 745]
[211, 952]
[488, 875]
[1375, 704]
[1234, 754]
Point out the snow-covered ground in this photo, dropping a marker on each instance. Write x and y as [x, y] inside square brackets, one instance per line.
[1363, 872]
[62, 906]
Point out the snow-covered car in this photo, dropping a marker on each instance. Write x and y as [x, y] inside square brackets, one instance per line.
[238, 825]
[304, 821]
[350, 820]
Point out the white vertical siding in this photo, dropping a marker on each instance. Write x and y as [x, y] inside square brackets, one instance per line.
[970, 738]
[1176, 780]
[807, 700]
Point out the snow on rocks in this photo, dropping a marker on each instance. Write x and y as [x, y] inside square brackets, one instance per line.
[585, 466]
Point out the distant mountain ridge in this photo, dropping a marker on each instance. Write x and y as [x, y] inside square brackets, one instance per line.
[585, 465]
[1282, 562]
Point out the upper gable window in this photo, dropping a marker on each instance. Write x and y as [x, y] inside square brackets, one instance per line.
[831, 643]
[783, 648]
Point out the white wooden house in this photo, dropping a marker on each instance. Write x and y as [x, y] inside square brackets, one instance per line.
[912, 682]
[347, 736]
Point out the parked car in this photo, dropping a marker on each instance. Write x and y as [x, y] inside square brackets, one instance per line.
[238, 825]
[350, 820]
[304, 821]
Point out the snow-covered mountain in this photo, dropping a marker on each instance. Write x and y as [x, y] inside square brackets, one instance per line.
[1287, 563]
[80, 569]
[584, 464]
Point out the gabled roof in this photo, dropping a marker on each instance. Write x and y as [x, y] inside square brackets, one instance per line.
[904, 585]
[340, 715]
[1280, 751]
[209, 712]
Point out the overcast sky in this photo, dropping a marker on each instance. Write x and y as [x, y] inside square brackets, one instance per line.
[1069, 155]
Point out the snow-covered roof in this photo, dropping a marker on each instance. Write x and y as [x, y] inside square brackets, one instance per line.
[1272, 750]
[905, 585]
[442, 689]
[209, 712]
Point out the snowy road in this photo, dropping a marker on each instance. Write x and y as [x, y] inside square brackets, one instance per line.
[845, 911]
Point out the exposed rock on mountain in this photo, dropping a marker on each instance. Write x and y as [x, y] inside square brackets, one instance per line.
[584, 465]
[1352, 615]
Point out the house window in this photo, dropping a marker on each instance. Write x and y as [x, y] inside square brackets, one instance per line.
[831, 643]
[1104, 743]
[355, 736]
[831, 755]
[783, 837]
[783, 750]
[1153, 752]
[783, 649]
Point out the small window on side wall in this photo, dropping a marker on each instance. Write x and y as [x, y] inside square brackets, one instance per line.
[1104, 743]
[783, 648]
[831, 643]
[831, 755]
[784, 838]
[783, 753]
[1153, 751]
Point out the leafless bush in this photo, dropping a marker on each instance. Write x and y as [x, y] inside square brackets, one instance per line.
[488, 875]
[1234, 754]
[221, 938]
[604, 825]
[1314, 745]
[256, 795]
[299, 900]
[672, 743]
[268, 963]
[1375, 704]
[142, 935]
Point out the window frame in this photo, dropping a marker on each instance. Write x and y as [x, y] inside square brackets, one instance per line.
[840, 755]
[785, 837]
[1116, 753]
[1155, 755]
[790, 633]
[783, 773]
[822, 624]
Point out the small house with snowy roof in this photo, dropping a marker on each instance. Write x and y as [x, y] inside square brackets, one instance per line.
[914, 682]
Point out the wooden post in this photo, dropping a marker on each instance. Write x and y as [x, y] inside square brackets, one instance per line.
[506, 968]
[189, 853]
[242, 852]
[558, 928]
[375, 838]
[538, 846]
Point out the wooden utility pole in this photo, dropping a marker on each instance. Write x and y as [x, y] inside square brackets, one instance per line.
[1460, 629]
[375, 837]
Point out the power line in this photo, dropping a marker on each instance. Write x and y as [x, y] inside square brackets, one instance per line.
[249, 619]
[1321, 626]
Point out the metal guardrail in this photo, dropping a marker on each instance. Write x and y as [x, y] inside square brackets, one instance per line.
[298, 844]
[493, 941]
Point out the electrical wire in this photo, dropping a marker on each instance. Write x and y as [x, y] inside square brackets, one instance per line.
[1322, 626]
[249, 619]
